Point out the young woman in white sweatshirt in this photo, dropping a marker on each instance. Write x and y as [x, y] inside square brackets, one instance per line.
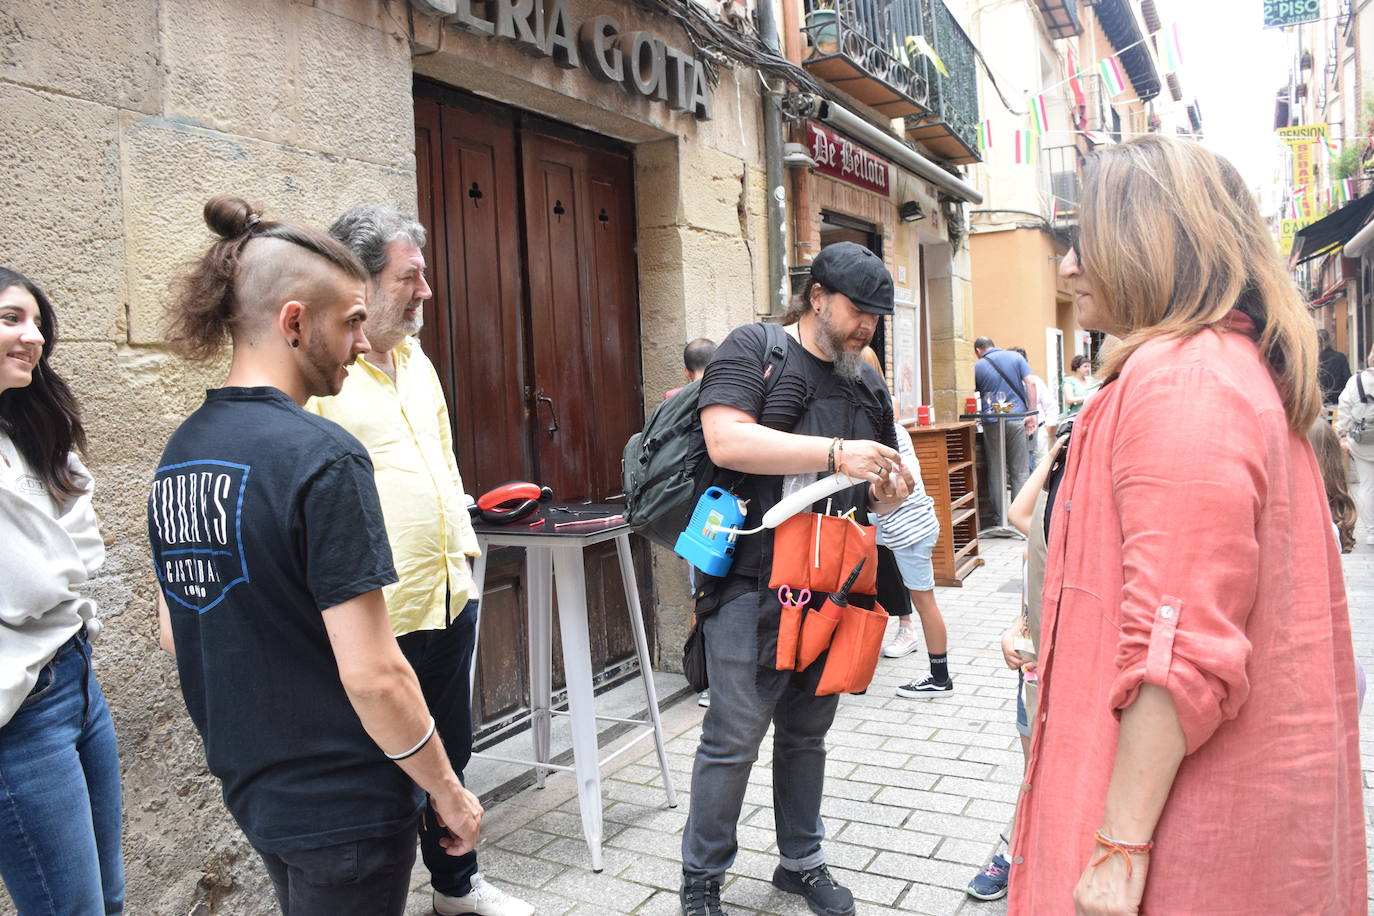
[60, 810]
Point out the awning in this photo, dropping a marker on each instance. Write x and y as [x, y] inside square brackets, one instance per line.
[1331, 232]
[1123, 31]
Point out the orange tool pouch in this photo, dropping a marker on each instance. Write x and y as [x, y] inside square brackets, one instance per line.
[853, 651]
[789, 634]
[818, 551]
[816, 632]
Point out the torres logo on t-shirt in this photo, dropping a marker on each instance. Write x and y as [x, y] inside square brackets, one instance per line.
[195, 510]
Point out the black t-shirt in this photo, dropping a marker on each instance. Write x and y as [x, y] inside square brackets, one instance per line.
[262, 516]
[809, 398]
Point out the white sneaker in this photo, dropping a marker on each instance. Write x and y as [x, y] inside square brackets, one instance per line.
[704, 698]
[484, 900]
[903, 644]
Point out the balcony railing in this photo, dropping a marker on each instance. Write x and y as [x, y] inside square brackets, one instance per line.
[1061, 17]
[860, 47]
[951, 126]
[1059, 179]
[871, 50]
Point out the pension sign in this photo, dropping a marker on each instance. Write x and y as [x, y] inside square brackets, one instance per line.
[1290, 12]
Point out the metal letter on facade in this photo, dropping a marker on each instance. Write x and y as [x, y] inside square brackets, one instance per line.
[602, 58]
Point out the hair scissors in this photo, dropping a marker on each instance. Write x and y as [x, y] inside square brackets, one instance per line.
[787, 599]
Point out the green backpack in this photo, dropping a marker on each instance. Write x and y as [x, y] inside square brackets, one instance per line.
[665, 467]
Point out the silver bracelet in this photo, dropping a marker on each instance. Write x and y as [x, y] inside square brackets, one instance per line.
[416, 749]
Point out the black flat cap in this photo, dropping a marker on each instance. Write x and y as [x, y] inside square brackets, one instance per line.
[850, 268]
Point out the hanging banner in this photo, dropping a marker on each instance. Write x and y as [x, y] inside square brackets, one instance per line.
[1304, 172]
[1301, 133]
[840, 157]
[1279, 13]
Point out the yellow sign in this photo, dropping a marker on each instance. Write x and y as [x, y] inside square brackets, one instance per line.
[1289, 228]
[1302, 133]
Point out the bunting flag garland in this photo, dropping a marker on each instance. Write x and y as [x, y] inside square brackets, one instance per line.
[1050, 203]
[1333, 147]
[984, 135]
[1173, 51]
[1025, 147]
[1040, 119]
[1112, 77]
[1293, 211]
[1076, 84]
[1348, 191]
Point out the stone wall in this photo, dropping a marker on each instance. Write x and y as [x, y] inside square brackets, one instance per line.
[123, 117]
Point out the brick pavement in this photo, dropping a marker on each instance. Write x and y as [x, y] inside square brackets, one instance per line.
[917, 791]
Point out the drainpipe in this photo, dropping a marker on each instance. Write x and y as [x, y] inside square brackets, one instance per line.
[776, 203]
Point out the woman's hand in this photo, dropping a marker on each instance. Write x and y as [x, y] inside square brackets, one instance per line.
[1108, 889]
[1009, 655]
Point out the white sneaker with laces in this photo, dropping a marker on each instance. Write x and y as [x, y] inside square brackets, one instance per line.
[704, 698]
[903, 643]
[483, 900]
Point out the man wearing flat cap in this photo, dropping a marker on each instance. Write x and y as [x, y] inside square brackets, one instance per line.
[826, 411]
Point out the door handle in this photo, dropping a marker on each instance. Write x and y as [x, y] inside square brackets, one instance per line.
[542, 398]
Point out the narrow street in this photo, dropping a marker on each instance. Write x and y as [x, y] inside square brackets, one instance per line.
[917, 793]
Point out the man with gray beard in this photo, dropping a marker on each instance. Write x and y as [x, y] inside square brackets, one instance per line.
[827, 411]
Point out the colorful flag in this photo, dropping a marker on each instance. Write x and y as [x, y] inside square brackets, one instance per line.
[1348, 188]
[1080, 102]
[1025, 147]
[1099, 138]
[1173, 51]
[1333, 147]
[984, 135]
[1040, 118]
[1293, 211]
[1115, 80]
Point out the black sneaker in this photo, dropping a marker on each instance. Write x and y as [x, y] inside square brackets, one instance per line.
[701, 898]
[926, 687]
[822, 894]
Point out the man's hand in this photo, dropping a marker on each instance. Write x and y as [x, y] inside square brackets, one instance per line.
[864, 459]
[891, 490]
[461, 814]
[1032, 424]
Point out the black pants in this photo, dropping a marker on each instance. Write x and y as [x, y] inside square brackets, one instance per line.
[442, 660]
[368, 877]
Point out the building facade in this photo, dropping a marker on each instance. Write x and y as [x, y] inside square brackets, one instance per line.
[594, 178]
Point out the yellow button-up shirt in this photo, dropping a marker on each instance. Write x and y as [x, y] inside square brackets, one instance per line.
[404, 426]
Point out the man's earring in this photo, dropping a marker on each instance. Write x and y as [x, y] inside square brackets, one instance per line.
[295, 343]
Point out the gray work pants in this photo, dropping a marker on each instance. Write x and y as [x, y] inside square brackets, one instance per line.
[744, 700]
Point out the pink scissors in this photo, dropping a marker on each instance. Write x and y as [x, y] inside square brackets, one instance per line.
[802, 598]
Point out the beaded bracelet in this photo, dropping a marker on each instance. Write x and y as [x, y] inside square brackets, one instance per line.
[1124, 849]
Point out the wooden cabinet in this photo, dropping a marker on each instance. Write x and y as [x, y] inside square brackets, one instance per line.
[947, 452]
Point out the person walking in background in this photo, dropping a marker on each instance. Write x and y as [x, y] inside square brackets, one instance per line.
[60, 809]
[1046, 412]
[1333, 369]
[1004, 376]
[695, 356]
[1334, 464]
[1078, 384]
[1355, 426]
[1198, 581]
[393, 403]
[271, 554]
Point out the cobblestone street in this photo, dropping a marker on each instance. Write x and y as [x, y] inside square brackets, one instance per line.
[917, 792]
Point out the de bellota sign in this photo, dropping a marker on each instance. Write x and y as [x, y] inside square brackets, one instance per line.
[643, 64]
[1290, 12]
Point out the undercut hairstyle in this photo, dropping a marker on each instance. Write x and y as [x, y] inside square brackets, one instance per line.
[42, 418]
[983, 343]
[697, 354]
[1077, 361]
[253, 264]
[368, 230]
[1174, 241]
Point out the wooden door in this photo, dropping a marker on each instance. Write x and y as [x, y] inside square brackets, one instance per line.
[535, 332]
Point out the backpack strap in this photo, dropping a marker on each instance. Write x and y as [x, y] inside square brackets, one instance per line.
[1359, 386]
[1016, 387]
[776, 338]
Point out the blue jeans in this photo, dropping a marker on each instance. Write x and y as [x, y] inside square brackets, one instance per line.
[442, 660]
[60, 810]
[744, 700]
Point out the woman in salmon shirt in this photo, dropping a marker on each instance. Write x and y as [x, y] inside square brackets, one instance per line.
[1197, 750]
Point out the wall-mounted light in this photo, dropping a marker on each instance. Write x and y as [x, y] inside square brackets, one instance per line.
[910, 211]
[794, 155]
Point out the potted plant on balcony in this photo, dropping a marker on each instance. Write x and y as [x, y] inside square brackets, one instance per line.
[823, 28]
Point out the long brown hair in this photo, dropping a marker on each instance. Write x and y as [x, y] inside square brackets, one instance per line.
[42, 418]
[1332, 461]
[206, 306]
[1174, 241]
